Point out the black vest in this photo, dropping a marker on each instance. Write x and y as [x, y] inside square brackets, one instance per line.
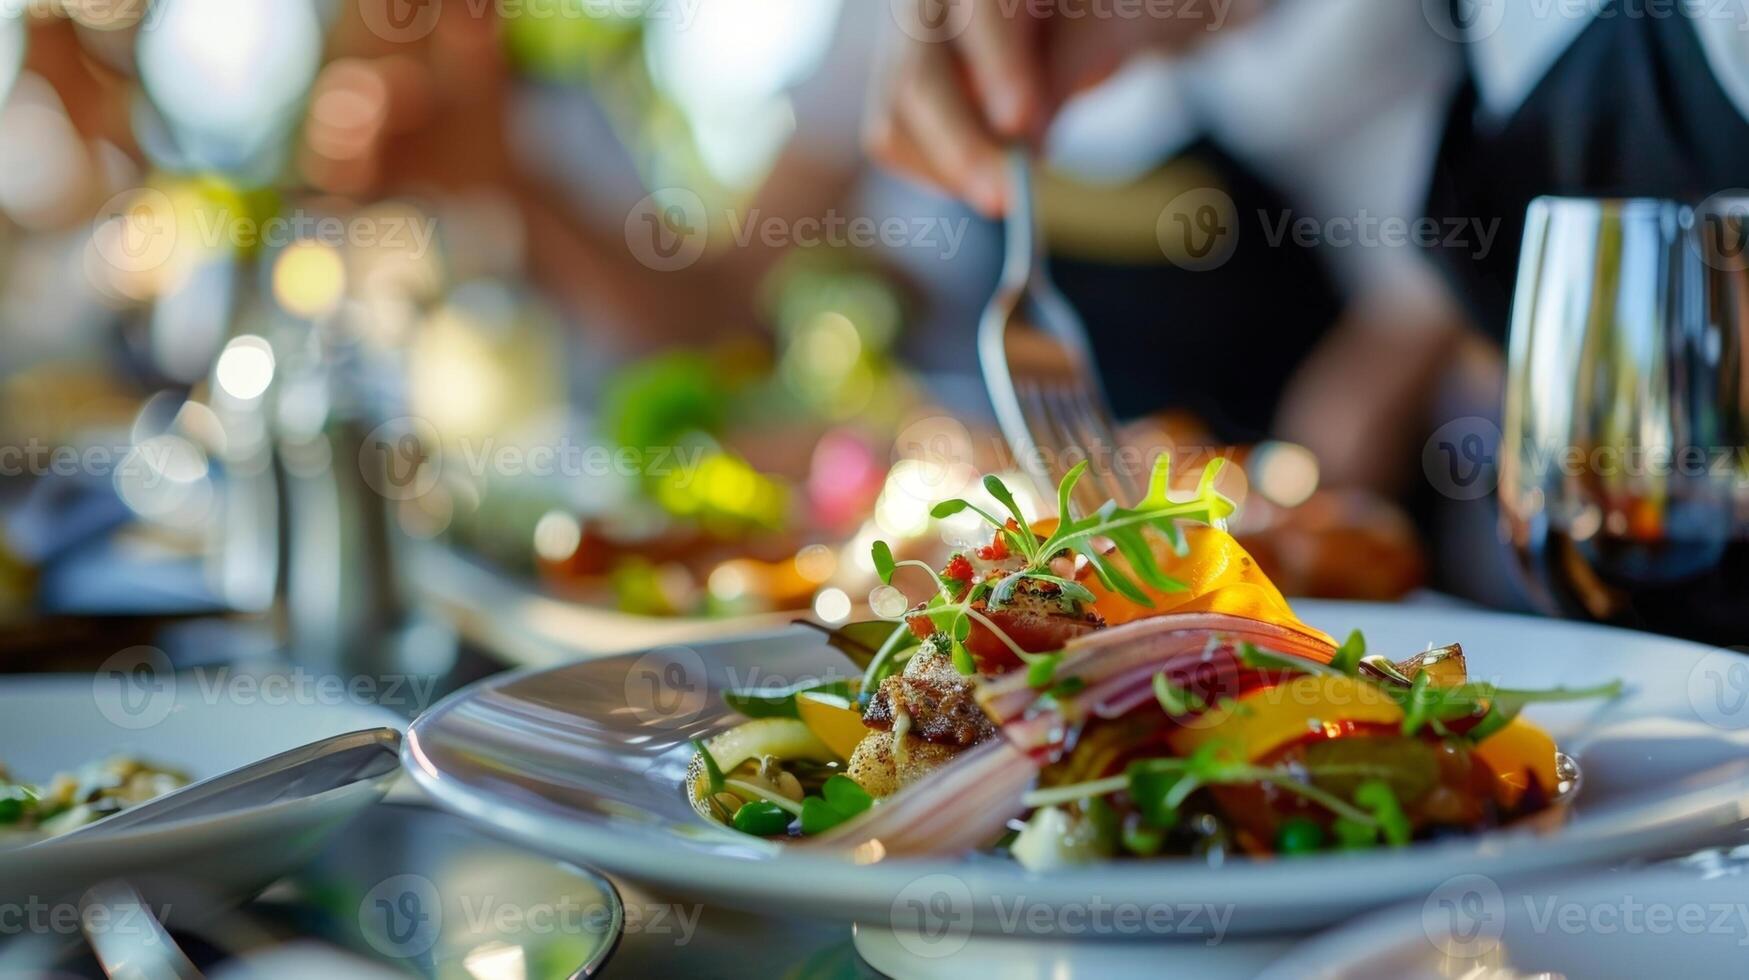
[1631, 109]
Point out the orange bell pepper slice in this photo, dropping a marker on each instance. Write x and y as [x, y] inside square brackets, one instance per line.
[1219, 575]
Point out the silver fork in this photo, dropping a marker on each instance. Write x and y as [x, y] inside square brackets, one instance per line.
[1040, 371]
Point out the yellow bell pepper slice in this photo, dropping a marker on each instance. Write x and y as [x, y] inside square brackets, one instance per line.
[1518, 753]
[833, 720]
[1266, 719]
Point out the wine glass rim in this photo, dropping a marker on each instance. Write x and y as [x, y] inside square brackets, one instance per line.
[1622, 204]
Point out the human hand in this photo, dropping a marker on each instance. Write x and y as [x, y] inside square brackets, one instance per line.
[963, 78]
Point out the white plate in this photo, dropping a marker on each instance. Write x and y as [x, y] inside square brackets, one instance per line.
[587, 760]
[1668, 921]
[203, 726]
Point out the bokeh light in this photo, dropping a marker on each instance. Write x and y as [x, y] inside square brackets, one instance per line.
[229, 73]
[832, 605]
[1286, 474]
[309, 279]
[245, 368]
[727, 67]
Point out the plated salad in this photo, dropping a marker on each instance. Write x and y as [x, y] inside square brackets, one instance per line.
[1124, 685]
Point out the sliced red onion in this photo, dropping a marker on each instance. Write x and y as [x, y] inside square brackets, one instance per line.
[1147, 645]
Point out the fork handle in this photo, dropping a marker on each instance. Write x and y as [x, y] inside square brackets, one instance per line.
[1021, 222]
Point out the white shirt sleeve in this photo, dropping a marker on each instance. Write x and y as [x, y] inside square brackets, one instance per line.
[1724, 34]
[1341, 103]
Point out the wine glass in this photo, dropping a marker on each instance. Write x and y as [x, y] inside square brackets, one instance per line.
[1624, 471]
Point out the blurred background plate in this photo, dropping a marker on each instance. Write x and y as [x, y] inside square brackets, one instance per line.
[201, 729]
[523, 625]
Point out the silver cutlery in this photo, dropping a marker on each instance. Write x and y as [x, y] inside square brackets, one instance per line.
[1039, 367]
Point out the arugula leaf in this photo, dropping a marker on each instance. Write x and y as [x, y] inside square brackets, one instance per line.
[1116, 581]
[1127, 530]
[1004, 591]
[1420, 707]
[1349, 654]
[1134, 548]
[1023, 537]
[1425, 704]
[1260, 659]
[1065, 490]
[1070, 589]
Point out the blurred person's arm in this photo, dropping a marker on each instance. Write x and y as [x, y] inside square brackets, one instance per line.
[1363, 400]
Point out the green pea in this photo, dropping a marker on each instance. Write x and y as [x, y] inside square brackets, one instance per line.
[762, 818]
[1299, 835]
[11, 809]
